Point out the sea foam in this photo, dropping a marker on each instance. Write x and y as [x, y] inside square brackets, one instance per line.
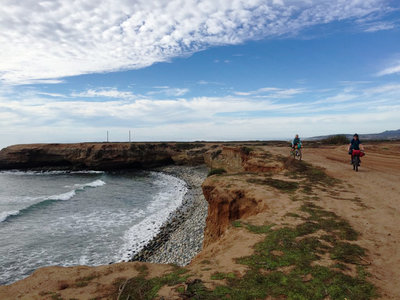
[170, 197]
[59, 197]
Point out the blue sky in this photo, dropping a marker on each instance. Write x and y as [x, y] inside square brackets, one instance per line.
[197, 70]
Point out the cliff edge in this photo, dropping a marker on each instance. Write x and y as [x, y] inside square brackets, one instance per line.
[100, 156]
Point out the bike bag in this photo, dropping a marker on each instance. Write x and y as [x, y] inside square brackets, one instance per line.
[357, 152]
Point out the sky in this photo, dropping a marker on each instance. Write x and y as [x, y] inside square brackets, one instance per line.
[187, 70]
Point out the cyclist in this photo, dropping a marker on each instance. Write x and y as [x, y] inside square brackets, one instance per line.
[296, 143]
[355, 144]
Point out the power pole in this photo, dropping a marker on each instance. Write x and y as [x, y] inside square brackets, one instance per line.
[129, 136]
[107, 136]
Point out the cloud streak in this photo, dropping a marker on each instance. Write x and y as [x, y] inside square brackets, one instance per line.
[41, 41]
[395, 69]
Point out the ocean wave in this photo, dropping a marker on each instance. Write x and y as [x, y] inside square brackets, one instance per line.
[55, 172]
[5, 214]
[93, 184]
[44, 200]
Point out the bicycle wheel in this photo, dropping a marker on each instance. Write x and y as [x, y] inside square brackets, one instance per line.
[356, 162]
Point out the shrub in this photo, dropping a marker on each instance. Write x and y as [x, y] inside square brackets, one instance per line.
[246, 150]
[216, 172]
[339, 139]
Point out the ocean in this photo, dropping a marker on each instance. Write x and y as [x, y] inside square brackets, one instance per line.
[79, 218]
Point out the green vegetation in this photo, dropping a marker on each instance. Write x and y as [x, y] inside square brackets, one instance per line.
[140, 288]
[218, 171]
[252, 228]
[84, 281]
[188, 146]
[246, 150]
[339, 139]
[286, 186]
[284, 264]
[205, 262]
[259, 229]
[237, 224]
[312, 174]
[222, 276]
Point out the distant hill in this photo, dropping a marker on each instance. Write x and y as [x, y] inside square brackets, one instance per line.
[386, 135]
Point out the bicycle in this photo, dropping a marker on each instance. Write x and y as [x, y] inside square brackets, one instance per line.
[296, 153]
[355, 158]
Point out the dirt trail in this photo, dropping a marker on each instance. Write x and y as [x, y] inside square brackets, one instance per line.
[375, 213]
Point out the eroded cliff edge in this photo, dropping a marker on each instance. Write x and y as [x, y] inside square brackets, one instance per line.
[100, 156]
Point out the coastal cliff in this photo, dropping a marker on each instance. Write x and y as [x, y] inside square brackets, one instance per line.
[276, 228]
[100, 156]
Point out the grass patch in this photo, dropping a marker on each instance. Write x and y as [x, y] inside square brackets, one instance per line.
[259, 229]
[222, 276]
[218, 171]
[205, 262]
[311, 173]
[140, 288]
[293, 215]
[237, 224]
[331, 223]
[286, 186]
[84, 281]
[348, 253]
[294, 249]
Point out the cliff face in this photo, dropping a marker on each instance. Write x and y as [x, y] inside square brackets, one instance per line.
[230, 199]
[226, 205]
[100, 156]
[241, 159]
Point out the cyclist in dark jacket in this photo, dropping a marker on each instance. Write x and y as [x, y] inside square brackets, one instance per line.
[355, 144]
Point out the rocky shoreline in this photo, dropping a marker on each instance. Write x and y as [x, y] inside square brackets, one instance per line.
[181, 238]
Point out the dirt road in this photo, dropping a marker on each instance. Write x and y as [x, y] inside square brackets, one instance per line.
[372, 205]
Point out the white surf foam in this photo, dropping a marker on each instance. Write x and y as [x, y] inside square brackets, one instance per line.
[5, 214]
[64, 197]
[168, 200]
[58, 197]
[56, 172]
[92, 184]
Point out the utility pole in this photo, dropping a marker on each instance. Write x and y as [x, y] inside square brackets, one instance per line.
[107, 136]
[129, 136]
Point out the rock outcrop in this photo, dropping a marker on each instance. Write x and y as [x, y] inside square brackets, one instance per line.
[241, 159]
[100, 156]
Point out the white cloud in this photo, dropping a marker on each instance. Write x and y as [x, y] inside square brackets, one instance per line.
[104, 92]
[378, 26]
[45, 40]
[390, 70]
[31, 117]
[272, 92]
[169, 92]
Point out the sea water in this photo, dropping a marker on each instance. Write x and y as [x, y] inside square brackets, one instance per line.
[79, 218]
